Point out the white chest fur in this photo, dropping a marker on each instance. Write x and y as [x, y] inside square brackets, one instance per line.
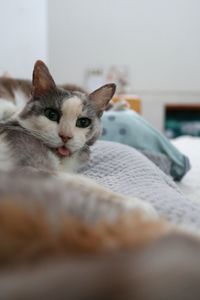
[69, 164]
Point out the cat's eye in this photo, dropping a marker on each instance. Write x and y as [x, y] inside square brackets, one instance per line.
[52, 114]
[83, 122]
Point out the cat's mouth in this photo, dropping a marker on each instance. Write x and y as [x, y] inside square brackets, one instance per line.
[63, 151]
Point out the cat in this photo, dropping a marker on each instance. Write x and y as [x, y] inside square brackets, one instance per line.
[43, 209]
[47, 215]
[55, 128]
[52, 135]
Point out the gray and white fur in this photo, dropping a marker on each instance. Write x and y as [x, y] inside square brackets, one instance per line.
[56, 127]
[51, 134]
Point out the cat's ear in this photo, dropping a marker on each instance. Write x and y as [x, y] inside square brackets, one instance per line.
[103, 95]
[42, 81]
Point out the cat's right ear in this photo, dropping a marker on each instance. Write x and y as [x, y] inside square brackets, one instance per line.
[102, 96]
[42, 82]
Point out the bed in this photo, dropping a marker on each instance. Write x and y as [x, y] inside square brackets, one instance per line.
[125, 170]
[190, 184]
[171, 267]
[129, 128]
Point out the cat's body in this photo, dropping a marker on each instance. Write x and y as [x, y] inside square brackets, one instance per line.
[45, 212]
[51, 135]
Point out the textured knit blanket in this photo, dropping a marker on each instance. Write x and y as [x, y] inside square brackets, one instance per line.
[124, 170]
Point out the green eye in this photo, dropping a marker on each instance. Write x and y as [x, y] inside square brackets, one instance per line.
[52, 114]
[83, 122]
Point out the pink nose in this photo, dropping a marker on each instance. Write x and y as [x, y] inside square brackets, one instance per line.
[64, 137]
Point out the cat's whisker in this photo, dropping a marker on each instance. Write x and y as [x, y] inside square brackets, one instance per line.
[47, 138]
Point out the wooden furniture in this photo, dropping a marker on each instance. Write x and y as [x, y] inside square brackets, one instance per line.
[183, 106]
[133, 100]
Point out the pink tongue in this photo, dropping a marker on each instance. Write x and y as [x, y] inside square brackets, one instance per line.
[63, 151]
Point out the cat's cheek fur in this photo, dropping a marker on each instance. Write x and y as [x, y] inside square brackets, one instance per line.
[41, 123]
[44, 128]
[95, 133]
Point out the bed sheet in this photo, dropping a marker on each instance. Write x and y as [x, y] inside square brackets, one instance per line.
[190, 184]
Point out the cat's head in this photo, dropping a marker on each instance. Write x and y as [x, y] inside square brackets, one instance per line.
[65, 121]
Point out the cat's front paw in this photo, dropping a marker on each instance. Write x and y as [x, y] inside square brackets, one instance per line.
[147, 209]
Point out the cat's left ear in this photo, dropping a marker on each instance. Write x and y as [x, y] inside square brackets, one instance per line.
[42, 81]
[103, 95]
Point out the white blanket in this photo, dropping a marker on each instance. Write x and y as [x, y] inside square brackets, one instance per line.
[190, 184]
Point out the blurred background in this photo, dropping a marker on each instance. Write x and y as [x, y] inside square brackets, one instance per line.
[151, 49]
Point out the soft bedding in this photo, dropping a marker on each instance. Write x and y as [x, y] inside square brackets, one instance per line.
[129, 128]
[125, 170]
[190, 184]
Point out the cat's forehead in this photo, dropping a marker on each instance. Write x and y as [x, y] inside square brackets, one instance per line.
[72, 107]
[68, 103]
[76, 103]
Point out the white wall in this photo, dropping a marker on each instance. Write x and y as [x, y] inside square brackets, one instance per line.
[158, 39]
[23, 32]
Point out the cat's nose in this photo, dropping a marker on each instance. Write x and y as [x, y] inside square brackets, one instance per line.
[64, 137]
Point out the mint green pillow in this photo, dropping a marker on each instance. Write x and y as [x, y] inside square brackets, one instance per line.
[128, 127]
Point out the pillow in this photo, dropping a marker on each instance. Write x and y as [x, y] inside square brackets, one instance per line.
[130, 128]
[125, 170]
